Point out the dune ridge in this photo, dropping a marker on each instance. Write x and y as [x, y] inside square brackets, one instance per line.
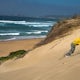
[61, 29]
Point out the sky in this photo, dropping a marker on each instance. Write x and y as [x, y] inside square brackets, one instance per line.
[39, 7]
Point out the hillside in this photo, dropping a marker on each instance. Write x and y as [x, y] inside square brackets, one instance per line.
[47, 62]
[62, 28]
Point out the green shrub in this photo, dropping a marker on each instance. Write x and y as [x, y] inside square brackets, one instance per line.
[17, 53]
[3, 59]
[12, 55]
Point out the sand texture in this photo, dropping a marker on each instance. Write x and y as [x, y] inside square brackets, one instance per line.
[45, 62]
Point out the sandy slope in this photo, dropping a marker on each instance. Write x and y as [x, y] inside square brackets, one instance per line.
[9, 46]
[45, 63]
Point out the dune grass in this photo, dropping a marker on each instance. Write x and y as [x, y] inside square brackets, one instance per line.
[14, 55]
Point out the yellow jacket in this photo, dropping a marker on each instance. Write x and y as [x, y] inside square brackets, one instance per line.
[76, 41]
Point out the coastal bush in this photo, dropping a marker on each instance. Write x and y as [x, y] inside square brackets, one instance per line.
[17, 54]
[2, 59]
[14, 55]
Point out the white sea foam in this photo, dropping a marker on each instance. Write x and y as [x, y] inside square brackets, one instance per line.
[23, 37]
[37, 32]
[7, 34]
[34, 24]
[34, 32]
[42, 25]
[30, 37]
[9, 39]
[12, 32]
[14, 22]
[39, 24]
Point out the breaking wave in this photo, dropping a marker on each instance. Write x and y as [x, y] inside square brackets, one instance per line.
[8, 34]
[34, 24]
[13, 30]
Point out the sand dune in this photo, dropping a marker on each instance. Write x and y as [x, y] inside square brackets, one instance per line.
[9, 46]
[45, 62]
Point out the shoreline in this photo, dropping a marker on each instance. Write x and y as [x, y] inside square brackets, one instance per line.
[22, 39]
[13, 45]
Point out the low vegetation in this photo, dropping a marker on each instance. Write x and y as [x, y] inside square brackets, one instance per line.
[14, 55]
[61, 28]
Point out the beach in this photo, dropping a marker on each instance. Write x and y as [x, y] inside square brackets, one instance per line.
[10, 46]
[46, 62]
[39, 39]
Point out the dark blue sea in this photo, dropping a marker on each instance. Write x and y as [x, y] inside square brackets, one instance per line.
[14, 28]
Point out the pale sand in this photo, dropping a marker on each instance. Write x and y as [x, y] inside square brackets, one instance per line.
[45, 63]
[9, 46]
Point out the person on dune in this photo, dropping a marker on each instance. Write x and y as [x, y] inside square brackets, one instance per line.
[73, 46]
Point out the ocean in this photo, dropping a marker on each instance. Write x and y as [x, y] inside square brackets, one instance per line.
[15, 28]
